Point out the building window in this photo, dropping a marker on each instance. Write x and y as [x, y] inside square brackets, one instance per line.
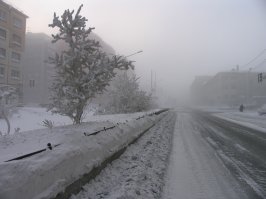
[16, 40]
[2, 15]
[2, 70]
[2, 34]
[2, 53]
[15, 57]
[32, 83]
[15, 74]
[17, 22]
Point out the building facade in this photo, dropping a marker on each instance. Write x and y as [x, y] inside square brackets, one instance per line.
[37, 71]
[229, 88]
[197, 88]
[12, 44]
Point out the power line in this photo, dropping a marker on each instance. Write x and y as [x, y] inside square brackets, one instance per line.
[252, 60]
[260, 64]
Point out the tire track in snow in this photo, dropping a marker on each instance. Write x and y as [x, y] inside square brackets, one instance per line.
[195, 171]
[233, 146]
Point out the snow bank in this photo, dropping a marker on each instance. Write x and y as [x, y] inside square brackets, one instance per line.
[46, 174]
[139, 171]
[252, 124]
[248, 118]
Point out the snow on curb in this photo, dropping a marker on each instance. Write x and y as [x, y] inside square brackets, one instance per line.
[48, 173]
[241, 123]
[139, 171]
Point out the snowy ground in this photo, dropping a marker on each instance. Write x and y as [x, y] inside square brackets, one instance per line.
[139, 172]
[198, 165]
[31, 118]
[44, 175]
[248, 118]
[34, 136]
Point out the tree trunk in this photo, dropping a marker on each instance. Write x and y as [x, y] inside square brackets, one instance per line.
[7, 121]
[77, 118]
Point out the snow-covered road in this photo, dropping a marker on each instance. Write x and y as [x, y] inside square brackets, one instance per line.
[195, 171]
[242, 149]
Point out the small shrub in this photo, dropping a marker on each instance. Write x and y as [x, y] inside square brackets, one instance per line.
[17, 130]
[48, 123]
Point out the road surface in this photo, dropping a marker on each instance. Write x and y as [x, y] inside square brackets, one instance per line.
[213, 158]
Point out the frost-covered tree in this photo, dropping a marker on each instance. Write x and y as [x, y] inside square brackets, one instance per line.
[126, 96]
[83, 70]
[8, 95]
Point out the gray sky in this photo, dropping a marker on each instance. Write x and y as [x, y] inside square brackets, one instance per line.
[179, 38]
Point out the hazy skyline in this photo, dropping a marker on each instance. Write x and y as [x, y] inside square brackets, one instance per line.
[179, 38]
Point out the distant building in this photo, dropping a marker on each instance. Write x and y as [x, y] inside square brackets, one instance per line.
[229, 88]
[12, 43]
[197, 88]
[37, 72]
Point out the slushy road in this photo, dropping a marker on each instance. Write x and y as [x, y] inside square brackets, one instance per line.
[213, 158]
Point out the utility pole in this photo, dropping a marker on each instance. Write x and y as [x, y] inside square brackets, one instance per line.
[155, 80]
[151, 82]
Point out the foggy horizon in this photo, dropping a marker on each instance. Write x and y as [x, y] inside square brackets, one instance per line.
[179, 39]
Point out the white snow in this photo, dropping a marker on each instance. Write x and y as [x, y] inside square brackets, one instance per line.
[139, 172]
[31, 118]
[45, 174]
[248, 118]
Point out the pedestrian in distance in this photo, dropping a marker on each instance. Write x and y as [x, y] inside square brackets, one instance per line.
[241, 108]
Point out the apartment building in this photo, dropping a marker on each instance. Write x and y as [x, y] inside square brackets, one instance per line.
[38, 74]
[12, 43]
[37, 71]
[230, 88]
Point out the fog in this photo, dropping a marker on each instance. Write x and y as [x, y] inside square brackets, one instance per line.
[179, 38]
